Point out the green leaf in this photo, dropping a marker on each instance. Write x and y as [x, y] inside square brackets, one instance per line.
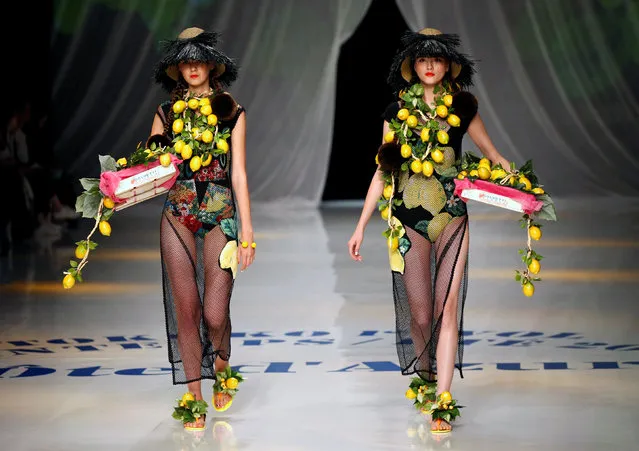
[78, 276]
[107, 214]
[73, 264]
[450, 172]
[91, 205]
[153, 146]
[404, 166]
[79, 202]
[547, 211]
[90, 184]
[107, 163]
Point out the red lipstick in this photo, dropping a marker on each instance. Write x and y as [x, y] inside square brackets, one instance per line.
[430, 74]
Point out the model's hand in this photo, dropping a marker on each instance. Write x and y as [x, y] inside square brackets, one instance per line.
[245, 255]
[354, 244]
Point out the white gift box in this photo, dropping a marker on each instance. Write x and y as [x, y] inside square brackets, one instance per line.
[496, 200]
[143, 185]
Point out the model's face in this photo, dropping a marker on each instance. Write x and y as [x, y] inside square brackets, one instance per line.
[431, 71]
[195, 74]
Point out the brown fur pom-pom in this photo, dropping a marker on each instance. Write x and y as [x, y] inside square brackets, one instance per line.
[390, 157]
[465, 105]
[224, 106]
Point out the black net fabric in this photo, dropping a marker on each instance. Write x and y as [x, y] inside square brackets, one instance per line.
[197, 319]
[429, 300]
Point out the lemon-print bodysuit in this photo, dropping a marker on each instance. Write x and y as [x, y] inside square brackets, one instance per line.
[431, 262]
[199, 249]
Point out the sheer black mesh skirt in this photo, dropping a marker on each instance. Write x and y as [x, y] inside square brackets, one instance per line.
[423, 293]
[197, 293]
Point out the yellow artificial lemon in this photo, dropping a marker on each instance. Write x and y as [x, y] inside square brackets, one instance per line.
[534, 266]
[483, 172]
[122, 162]
[179, 106]
[416, 166]
[80, 252]
[497, 174]
[425, 134]
[524, 180]
[474, 173]
[427, 168]
[211, 119]
[411, 121]
[195, 133]
[445, 397]
[207, 136]
[194, 104]
[485, 162]
[195, 163]
[388, 191]
[462, 175]
[206, 110]
[205, 101]
[207, 160]
[437, 156]
[232, 383]
[385, 212]
[178, 126]
[534, 232]
[109, 203]
[528, 289]
[454, 120]
[389, 137]
[165, 160]
[406, 151]
[410, 394]
[538, 190]
[403, 114]
[442, 111]
[393, 243]
[222, 145]
[448, 100]
[105, 228]
[187, 152]
[178, 146]
[188, 397]
[442, 137]
[68, 282]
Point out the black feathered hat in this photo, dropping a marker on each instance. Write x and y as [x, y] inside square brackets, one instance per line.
[194, 44]
[430, 42]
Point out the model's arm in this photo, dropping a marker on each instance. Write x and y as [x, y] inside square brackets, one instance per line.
[370, 205]
[479, 135]
[241, 191]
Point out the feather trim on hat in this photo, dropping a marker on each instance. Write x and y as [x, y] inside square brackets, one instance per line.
[415, 45]
[200, 48]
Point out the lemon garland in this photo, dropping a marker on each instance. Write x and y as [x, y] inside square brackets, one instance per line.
[188, 410]
[420, 134]
[441, 407]
[227, 381]
[197, 135]
[523, 179]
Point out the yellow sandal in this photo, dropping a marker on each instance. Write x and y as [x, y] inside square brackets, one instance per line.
[226, 383]
[190, 410]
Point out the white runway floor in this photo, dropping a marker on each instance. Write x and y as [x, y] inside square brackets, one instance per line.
[87, 369]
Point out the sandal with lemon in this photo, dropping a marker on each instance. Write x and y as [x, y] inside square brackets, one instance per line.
[443, 409]
[225, 386]
[191, 411]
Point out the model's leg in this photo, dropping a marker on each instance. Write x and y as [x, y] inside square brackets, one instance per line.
[178, 255]
[217, 295]
[451, 253]
[417, 281]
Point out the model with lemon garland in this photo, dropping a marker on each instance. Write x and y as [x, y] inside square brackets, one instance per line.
[199, 228]
[427, 233]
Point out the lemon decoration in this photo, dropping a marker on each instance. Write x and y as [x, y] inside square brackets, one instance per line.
[108, 203]
[448, 100]
[207, 160]
[535, 233]
[406, 151]
[416, 166]
[179, 106]
[448, 160]
[228, 257]
[188, 397]
[187, 152]
[497, 174]
[388, 191]
[442, 137]
[474, 173]
[442, 111]
[454, 120]
[428, 168]
[389, 137]
[194, 104]
[121, 162]
[80, 252]
[165, 160]
[222, 145]
[411, 121]
[393, 243]
[206, 110]
[178, 126]
[485, 162]
[410, 394]
[231, 383]
[534, 266]
[207, 136]
[105, 228]
[211, 119]
[68, 282]
[437, 156]
[538, 190]
[195, 132]
[437, 225]
[403, 114]
[445, 397]
[528, 289]
[385, 212]
[178, 146]
[195, 163]
[484, 173]
[426, 192]
[524, 180]
[425, 134]
[205, 101]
